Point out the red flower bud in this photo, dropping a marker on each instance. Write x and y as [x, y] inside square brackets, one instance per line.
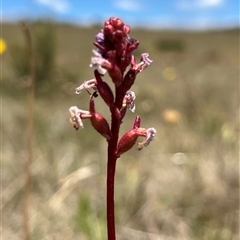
[134, 45]
[104, 89]
[117, 23]
[129, 79]
[129, 139]
[108, 31]
[137, 122]
[123, 112]
[118, 36]
[116, 112]
[126, 29]
[126, 142]
[99, 123]
[116, 75]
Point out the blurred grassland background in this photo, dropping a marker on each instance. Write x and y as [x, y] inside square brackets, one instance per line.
[185, 185]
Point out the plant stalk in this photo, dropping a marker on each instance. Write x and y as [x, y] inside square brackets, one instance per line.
[111, 167]
[31, 93]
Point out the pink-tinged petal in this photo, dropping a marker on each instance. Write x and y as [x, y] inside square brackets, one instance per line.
[146, 59]
[128, 100]
[150, 134]
[145, 62]
[99, 38]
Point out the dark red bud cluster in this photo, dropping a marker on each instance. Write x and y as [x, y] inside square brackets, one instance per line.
[114, 25]
[116, 38]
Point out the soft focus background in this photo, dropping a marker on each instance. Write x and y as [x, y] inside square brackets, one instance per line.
[185, 185]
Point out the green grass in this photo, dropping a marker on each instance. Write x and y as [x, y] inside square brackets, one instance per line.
[160, 194]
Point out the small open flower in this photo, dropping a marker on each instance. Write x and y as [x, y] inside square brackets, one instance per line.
[145, 62]
[100, 38]
[99, 62]
[90, 84]
[129, 101]
[150, 137]
[76, 116]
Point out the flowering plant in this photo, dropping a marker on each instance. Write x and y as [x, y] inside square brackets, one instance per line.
[113, 54]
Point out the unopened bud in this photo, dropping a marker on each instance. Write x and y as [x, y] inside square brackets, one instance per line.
[129, 79]
[137, 122]
[98, 122]
[104, 89]
[126, 142]
[116, 75]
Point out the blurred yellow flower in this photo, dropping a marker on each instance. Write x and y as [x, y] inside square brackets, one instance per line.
[172, 117]
[169, 73]
[228, 133]
[3, 46]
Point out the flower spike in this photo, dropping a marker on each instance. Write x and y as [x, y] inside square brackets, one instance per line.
[113, 54]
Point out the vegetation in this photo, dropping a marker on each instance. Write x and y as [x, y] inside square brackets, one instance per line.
[186, 186]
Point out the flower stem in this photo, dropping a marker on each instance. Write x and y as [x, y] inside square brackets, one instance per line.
[111, 167]
[31, 83]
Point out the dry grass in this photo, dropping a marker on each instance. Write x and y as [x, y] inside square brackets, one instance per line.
[184, 186]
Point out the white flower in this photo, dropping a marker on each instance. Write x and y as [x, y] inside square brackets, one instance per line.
[129, 100]
[150, 134]
[76, 116]
[90, 84]
[145, 59]
[145, 62]
[97, 61]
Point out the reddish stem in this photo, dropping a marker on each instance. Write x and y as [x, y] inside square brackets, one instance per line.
[111, 167]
